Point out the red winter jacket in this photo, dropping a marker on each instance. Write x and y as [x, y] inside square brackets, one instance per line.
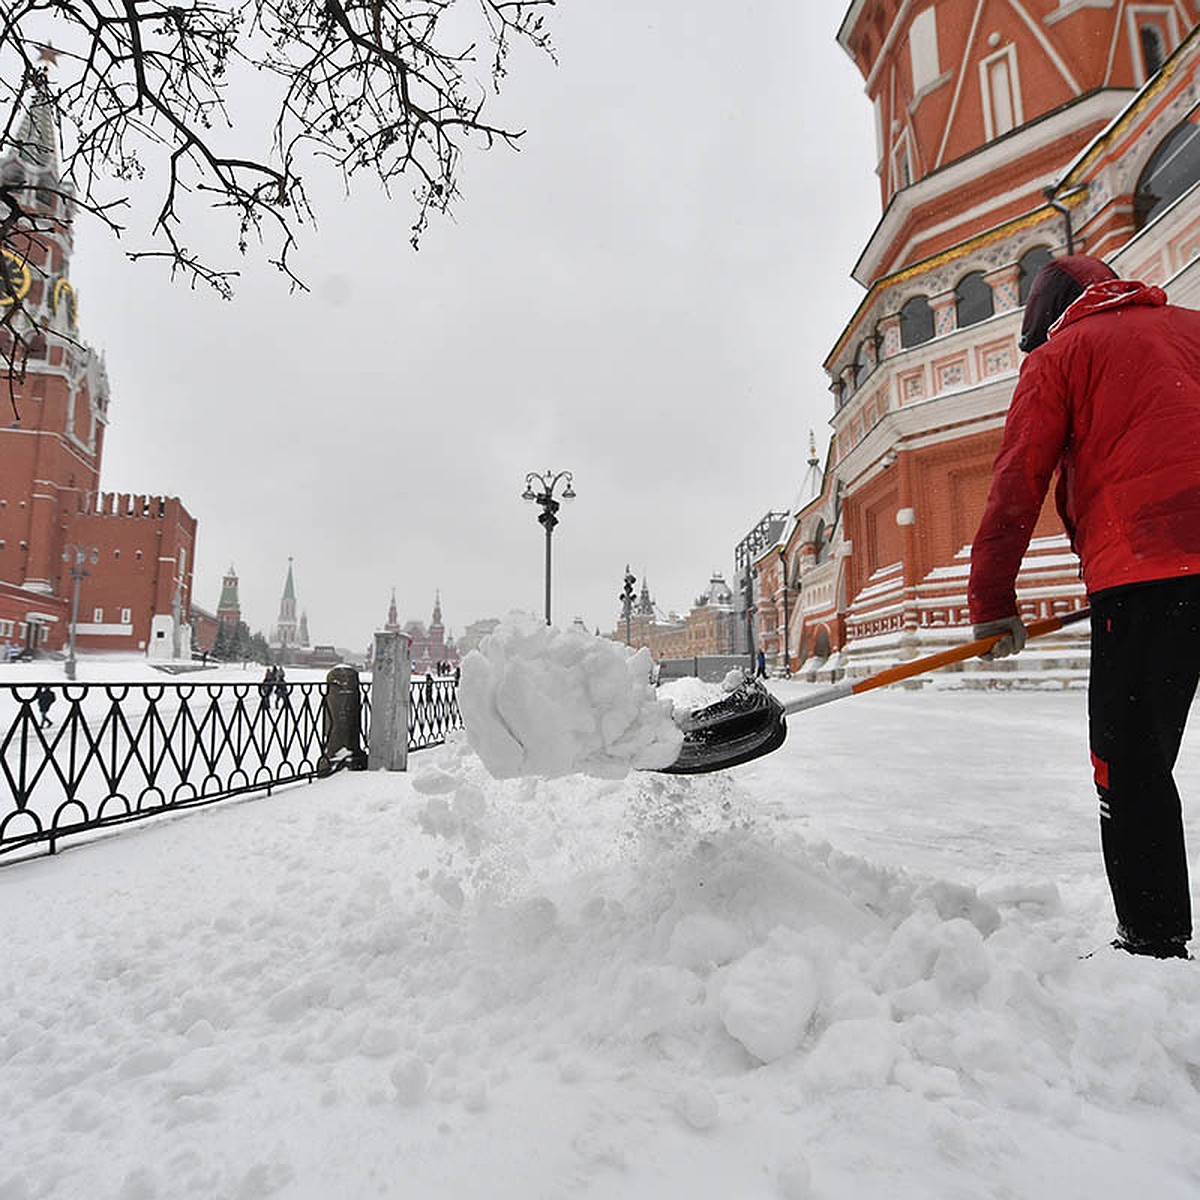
[1112, 399]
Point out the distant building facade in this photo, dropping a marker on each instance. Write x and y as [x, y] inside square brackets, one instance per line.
[429, 646]
[205, 627]
[710, 627]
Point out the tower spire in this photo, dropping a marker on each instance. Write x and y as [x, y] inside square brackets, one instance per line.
[286, 627]
[35, 146]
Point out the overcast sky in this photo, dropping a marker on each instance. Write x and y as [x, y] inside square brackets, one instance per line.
[643, 295]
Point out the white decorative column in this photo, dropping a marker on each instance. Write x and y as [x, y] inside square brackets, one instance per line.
[387, 749]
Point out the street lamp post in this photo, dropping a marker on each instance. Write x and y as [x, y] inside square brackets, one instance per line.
[548, 517]
[627, 604]
[76, 558]
[787, 666]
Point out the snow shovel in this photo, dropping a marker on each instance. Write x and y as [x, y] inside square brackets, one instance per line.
[750, 722]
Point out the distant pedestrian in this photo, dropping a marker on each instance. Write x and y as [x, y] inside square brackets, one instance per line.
[281, 688]
[44, 697]
[762, 665]
[267, 686]
[428, 686]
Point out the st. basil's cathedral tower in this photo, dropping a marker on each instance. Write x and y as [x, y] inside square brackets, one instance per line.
[1008, 132]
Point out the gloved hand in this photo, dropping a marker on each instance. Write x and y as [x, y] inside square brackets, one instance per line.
[1013, 641]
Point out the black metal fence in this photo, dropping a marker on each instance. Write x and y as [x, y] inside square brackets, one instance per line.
[432, 712]
[103, 754]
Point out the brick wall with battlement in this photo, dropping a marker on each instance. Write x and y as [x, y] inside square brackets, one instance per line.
[136, 593]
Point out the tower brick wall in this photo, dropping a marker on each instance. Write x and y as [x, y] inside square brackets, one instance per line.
[50, 458]
[1007, 135]
[146, 546]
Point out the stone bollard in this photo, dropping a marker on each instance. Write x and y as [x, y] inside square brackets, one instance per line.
[388, 744]
[341, 723]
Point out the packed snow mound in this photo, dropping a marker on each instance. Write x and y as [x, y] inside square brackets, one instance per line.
[846, 978]
[547, 702]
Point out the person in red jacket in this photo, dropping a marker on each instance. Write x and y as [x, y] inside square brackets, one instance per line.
[1109, 396]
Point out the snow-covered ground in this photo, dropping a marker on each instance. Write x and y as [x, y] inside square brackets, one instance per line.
[851, 969]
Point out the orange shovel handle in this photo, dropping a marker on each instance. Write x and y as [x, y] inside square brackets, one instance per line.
[944, 658]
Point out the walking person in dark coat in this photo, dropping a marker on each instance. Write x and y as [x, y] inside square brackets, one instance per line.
[45, 697]
[1109, 396]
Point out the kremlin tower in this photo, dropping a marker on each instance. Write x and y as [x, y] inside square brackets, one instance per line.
[139, 549]
[291, 634]
[229, 607]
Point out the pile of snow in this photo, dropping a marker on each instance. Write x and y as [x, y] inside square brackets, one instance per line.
[547, 702]
[851, 970]
[688, 692]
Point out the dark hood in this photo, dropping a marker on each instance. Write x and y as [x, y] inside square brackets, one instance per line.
[1057, 285]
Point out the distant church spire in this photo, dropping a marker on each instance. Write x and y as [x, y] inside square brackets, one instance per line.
[645, 605]
[286, 627]
[814, 480]
[393, 618]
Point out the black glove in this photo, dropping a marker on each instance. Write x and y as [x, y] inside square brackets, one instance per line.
[1013, 641]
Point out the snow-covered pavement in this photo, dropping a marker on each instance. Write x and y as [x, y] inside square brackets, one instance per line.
[848, 970]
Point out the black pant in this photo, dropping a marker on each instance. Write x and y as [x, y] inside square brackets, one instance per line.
[1145, 665]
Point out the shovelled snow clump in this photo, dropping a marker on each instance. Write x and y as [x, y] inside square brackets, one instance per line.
[549, 702]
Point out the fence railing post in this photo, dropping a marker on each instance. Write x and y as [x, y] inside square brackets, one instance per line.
[341, 720]
[391, 674]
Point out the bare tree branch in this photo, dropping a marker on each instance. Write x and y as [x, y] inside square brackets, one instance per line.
[137, 95]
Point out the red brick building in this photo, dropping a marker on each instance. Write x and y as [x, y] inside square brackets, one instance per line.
[133, 553]
[1008, 133]
[709, 629]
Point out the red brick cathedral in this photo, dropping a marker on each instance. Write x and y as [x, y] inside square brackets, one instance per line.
[131, 554]
[1008, 132]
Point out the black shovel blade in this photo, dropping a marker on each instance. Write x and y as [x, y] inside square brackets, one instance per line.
[746, 724]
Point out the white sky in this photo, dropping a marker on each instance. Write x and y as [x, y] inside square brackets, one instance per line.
[643, 296]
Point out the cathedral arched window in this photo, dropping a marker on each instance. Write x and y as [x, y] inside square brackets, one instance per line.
[1172, 170]
[863, 363]
[821, 542]
[1032, 261]
[1154, 49]
[821, 643]
[972, 300]
[916, 322]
